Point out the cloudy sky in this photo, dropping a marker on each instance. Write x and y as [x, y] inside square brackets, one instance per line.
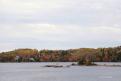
[59, 24]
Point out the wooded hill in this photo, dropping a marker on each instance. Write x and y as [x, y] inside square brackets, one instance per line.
[72, 55]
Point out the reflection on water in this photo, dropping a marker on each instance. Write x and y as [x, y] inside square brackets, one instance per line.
[36, 72]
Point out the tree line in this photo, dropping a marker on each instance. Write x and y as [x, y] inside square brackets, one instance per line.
[112, 54]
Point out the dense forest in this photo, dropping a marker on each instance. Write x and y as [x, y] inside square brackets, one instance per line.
[72, 55]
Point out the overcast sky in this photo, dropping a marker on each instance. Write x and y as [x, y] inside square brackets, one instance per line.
[59, 24]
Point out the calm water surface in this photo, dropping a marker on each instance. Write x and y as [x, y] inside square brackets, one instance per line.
[36, 72]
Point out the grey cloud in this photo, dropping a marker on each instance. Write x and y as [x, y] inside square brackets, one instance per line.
[80, 23]
[83, 12]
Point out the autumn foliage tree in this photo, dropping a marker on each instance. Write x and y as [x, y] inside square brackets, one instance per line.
[71, 55]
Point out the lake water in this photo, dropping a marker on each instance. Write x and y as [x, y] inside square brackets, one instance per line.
[36, 72]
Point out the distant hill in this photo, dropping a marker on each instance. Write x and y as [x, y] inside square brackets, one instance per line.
[111, 54]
